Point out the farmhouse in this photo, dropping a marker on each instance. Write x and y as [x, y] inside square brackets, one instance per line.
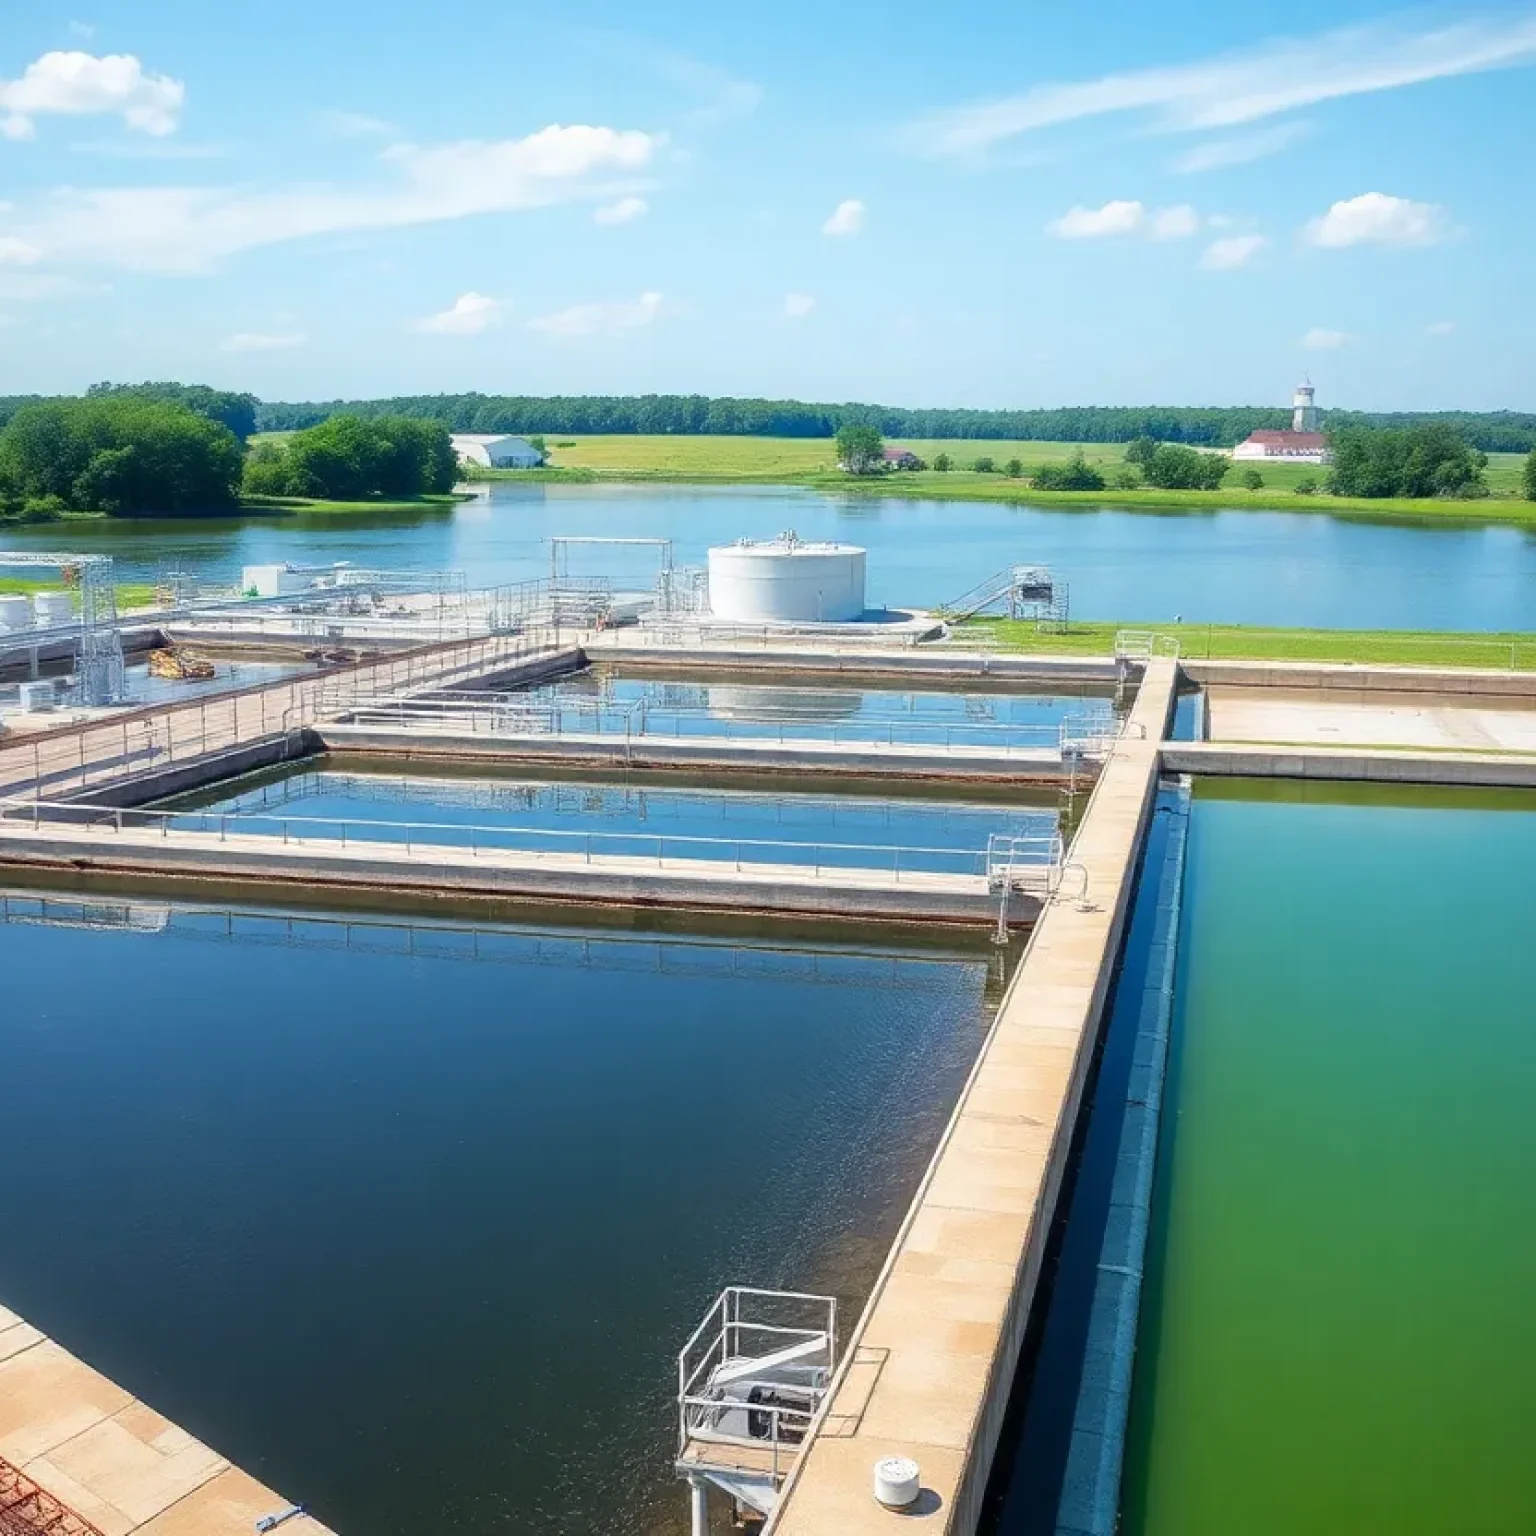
[496, 451]
[900, 458]
[1301, 444]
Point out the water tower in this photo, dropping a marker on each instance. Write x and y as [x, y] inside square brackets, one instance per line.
[1303, 411]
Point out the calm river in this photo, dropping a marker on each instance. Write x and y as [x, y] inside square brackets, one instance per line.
[1280, 568]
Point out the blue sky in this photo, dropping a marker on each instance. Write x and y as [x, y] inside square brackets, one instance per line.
[1000, 205]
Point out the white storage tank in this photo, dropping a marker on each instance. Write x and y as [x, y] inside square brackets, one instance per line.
[15, 612]
[53, 608]
[786, 581]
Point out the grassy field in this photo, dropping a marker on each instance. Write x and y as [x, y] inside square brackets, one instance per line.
[810, 462]
[130, 594]
[1236, 642]
[292, 505]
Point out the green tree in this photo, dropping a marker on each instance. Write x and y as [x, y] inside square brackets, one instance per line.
[943, 463]
[1252, 480]
[120, 454]
[1013, 468]
[860, 449]
[1173, 467]
[350, 458]
[1530, 476]
[1306, 486]
[1432, 459]
[1140, 450]
[1077, 474]
[536, 442]
[984, 465]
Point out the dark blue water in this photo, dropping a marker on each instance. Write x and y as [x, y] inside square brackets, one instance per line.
[1244, 567]
[411, 1221]
[628, 820]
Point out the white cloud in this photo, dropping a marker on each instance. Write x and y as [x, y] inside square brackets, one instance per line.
[847, 218]
[81, 84]
[1245, 86]
[358, 125]
[625, 211]
[1441, 328]
[1376, 219]
[1320, 340]
[798, 305]
[257, 341]
[190, 229]
[468, 315]
[1175, 223]
[604, 318]
[14, 252]
[1232, 252]
[1218, 154]
[1115, 218]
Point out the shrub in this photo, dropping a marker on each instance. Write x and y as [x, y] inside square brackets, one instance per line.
[1013, 468]
[1077, 474]
[943, 463]
[984, 466]
[1308, 487]
[1252, 480]
[1176, 468]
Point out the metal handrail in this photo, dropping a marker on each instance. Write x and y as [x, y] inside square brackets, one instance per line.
[740, 850]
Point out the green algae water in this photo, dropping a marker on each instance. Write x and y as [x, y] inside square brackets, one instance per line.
[1340, 1310]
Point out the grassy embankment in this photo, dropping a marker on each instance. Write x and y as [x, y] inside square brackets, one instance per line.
[1241, 642]
[293, 505]
[130, 594]
[810, 462]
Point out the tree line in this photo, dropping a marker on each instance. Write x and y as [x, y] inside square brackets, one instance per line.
[1199, 426]
[127, 452]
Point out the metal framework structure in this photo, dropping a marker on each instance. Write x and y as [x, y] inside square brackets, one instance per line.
[1022, 592]
[678, 590]
[28, 1510]
[100, 642]
[750, 1382]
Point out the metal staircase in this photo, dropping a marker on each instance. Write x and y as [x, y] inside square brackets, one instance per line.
[1020, 592]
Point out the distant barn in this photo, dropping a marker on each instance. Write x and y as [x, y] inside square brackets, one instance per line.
[496, 451]
[900, 458]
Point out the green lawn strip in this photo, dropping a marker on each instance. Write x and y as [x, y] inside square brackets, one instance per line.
[130, 594]
[1225, 642]
[306, 504]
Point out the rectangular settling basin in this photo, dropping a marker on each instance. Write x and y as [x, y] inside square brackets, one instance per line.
[410, 1218]
[1337, 1327]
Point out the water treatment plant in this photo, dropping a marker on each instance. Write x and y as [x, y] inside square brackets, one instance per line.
[674, 1048]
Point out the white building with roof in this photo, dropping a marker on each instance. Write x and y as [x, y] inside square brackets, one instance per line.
[1302, 443]
[495, 450]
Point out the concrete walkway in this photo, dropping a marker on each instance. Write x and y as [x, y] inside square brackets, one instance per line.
[113, 1461]
[931, 1364]
[803, 888]
[861, 759]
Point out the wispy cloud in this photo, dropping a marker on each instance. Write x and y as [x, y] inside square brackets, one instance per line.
[1218, 154]
[76, 84]
[1320, 340]
[150, 149]
[17, 253]
[358, 125]
[1122, 217]
[1232, 252]
[604, 318]
[469, 315]
[82, 29]
[191, 229]
[1177, 223]
[1441, 328]
[1245, 86]
[846, 219]
[721, 96]
[1126, 216]
[798, 305]
[625, 211]
[262, 341]
[1374, 218]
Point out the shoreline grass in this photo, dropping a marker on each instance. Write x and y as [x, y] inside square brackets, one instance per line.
[1500, 651]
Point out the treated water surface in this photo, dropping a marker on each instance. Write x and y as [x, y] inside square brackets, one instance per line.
[410, 1219]
[621, 819]
[1337, 1327]
[1238, 566]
